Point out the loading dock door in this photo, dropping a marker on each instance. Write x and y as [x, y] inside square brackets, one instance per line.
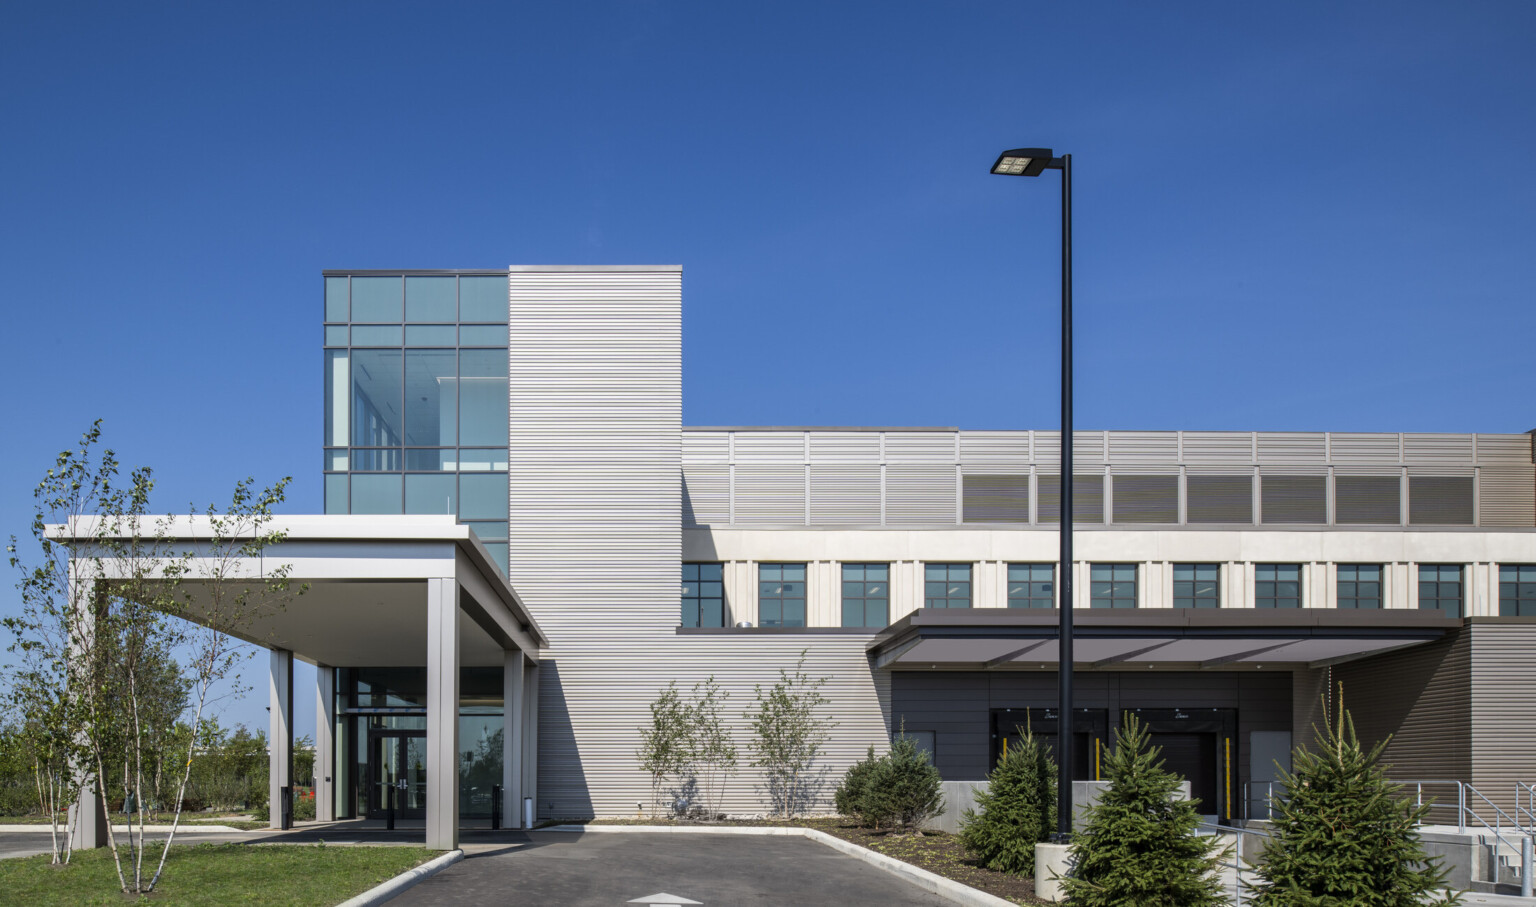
[1090, 729]
[1200, 746]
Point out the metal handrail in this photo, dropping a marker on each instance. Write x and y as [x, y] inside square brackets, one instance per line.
[1237, 852]
[1530, 799]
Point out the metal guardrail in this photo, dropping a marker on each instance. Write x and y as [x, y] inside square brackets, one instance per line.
[1466, 800]
[1236, 853]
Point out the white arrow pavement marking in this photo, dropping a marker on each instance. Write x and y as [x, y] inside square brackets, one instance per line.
[665, 900]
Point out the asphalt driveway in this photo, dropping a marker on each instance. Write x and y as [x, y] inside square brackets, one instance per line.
[612, 869]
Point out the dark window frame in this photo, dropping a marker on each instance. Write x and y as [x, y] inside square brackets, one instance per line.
[1190, 593]
[1031, 596]
[698, 600]
[1356, 591]
[1268, 589]
[1433, 591]
[951, 596]
[781, 597]
[1110, 592]
[1517, 592]
[866, 599]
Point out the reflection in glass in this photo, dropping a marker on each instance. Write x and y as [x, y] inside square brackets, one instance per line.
[430, 493]
[484, 299]
[482, 460]
[336, 299]
[376, 335]
[376, 398]
[336, 494]
[483, 497]
[335, 335]
[430, 299]
[376, 299]
[375, 494]
[430, 335]
[336, 394]
[429, 460]
[483, 397]
[703, 595]
[483, 335]
[431, 389]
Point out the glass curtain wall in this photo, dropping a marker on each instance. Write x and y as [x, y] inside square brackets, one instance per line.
[416, 397]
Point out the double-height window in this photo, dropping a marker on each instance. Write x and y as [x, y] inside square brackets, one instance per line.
[781, 595]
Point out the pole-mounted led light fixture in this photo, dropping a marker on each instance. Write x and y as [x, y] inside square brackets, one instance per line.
[1025, 162]
[1033, 162]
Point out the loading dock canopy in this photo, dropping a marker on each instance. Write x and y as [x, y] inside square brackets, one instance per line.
[991, 638]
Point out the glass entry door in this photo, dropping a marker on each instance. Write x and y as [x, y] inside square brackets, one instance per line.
[397, 760]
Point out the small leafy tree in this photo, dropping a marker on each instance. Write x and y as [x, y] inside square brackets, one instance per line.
[666, 743]
[788, 735]
[710, 743]
[1017, 809]
[903, 786]
[1139, 844]
[1343, 834]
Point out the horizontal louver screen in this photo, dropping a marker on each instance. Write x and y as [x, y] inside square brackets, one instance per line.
[1146, 499]
[996, 499]
[1440, 500]
[1367, 500]
[919, 495]
[770, 495]
[1087, 499]
[1218, 499]
[1507, 496]
[845, 495]
[1293, 499]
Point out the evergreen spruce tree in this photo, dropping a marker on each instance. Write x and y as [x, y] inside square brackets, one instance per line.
[1017, 810]
[1343, 835]
[1139, 843]
[849, 796]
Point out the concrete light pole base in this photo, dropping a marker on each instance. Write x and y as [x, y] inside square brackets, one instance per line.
[1051, 863]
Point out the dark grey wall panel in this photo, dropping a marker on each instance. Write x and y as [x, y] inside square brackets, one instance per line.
[996, 499]
[1293, 499]
[1218, 499]
[1368, 500]
[956, 705]
[1440, 500]
[1146, 498]
[1503, 708]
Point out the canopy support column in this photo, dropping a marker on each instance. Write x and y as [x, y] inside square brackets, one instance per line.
[325, 743]
[443, 714]
[280, 735]
[512, 740]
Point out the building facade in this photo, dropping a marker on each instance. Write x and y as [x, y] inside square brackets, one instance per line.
[1226, 579]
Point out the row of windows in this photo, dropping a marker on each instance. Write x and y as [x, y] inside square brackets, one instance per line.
[866, 589]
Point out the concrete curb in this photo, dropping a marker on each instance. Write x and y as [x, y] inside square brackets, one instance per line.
[922, 878]
[395, 886]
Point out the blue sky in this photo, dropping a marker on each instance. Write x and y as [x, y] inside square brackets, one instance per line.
[1288, 216]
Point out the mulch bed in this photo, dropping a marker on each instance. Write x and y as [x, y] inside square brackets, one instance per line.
[938, 852]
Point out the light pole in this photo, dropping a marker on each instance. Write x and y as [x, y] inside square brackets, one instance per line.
[1033, 162]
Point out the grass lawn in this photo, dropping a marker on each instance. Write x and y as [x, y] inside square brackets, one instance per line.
[242, 821]
[215, 874]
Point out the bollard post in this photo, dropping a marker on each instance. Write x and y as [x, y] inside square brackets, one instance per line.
[495, 807]
[1526, 850]
[389, 812]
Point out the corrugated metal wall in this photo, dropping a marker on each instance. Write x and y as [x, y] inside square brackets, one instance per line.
[596, 451]
[851, 477]
[1503, 707]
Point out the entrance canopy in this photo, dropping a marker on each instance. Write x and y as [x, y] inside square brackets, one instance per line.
[1187, 639]
[395, 591]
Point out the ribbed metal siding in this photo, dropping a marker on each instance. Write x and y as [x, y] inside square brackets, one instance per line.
[1293, 448]
[596, 544]
[706, 495]
[1218, 448]
[1506, 481]
[1422, 699]
[1143, 448]
[770, 494]
[1503, 709]
[1362, 449]
[845, 495]
[917, 495]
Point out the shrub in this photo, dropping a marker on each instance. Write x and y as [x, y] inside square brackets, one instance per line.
[1343, 836]
[1017, 810]
[903, 787]
[849, 795]
[1139, 843]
